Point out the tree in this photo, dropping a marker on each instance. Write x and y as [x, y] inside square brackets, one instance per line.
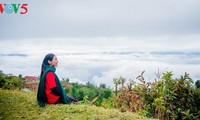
[123, 80]
[130, 84]
[197, 84]
[159, 74]
[116, 82]
[2, 79]
[102, 85]
[20, 76]
[65, 80]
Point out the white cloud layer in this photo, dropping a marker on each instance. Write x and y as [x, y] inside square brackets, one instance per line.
[99, 60]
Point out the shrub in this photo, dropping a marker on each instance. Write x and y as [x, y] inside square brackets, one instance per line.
[13, 83]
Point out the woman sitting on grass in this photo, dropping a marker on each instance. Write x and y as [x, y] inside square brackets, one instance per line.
[50, 90]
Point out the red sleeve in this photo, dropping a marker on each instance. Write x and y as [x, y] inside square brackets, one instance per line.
[50, 80]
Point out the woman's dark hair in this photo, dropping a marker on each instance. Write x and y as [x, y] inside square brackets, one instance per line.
[45, 63]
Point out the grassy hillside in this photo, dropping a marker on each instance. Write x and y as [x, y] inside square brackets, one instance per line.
[21, 105]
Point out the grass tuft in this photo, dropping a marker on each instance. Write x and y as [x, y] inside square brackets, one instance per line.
[20, 105]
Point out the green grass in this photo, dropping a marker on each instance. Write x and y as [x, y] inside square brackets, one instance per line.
[20, 105]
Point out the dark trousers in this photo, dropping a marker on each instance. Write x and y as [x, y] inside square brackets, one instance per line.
[61, 101]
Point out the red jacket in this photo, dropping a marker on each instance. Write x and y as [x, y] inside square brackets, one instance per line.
[49, 84]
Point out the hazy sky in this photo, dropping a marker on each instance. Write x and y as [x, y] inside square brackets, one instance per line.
[97, 40]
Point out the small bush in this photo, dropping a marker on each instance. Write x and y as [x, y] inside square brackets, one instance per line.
[13, 83]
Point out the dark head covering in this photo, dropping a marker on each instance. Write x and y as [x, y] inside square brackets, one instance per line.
[45, 63]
